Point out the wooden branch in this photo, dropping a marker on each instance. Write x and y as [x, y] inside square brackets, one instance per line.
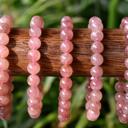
[114, 45]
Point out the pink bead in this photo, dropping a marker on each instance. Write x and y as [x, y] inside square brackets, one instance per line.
[119, 86]
[33, 68]
[64, 104]
[123, 118]
[66, 59]
[96, 71]
[4, 76]
[65, 94]
[95, 26]
[95, 19]
[96, 35]
[33, 55]
[4, 52]
[65, 83]
[62, 118]
[64, 112]
[4, 39]
[119, 96]
[4, 89]
[7, 19]
[95, 95]
[124, 22]
[34, 113]
[4, 28]
[34, 43]
[4, 100]
[66, 46]
[92, 115]
[35, 32]
[97, 47]
[126, 62]
[93, 105]
[66, 34]
[36, 21]
[125, 109]
[126, 74]
[66, 71]
[126, 50]
[33, 80]
[34, 92]
[126, 28]
[66, 19]
[125, 87]
[4, 64]
[66, 24]
[96, 84]
[119, 105]
[97, 59]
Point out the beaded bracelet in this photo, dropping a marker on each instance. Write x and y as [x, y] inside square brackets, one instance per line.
[34, 92]
[94, 94]
[121, 86]
[66, 70]
[5, 79]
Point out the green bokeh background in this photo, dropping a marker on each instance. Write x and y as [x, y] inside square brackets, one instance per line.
[111, 12]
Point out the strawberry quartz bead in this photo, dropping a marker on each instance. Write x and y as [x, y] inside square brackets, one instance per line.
[34, 43]
[66, 34]
[66, 46]
[97, 47]
[4, 39]
[37, 22]
[65, 83]
[34, 92]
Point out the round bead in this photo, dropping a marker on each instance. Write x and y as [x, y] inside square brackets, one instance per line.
[67, 25]
[97, 59]
[34, 55]
[64, 104]
[65, 83]
[66, 34]
[4, 100]
[119, 86]
[65, 94]
[66, 19]
[93, 105]
[66, 59]
[96, 71]
[34, 113]
[66, 46]
[119, 96]
[4, 76]
[126, 74]
[4, 39]
[33, 68]
[66, 71]
[95, 95]
[4, 52]
[4, 64]
[36, 21]
[7, 19]
[33, 80]
[96, 84]
[4, 28]
[92, 115]
[35, 32]
[34, 43]
[97, 47]
[97, 35]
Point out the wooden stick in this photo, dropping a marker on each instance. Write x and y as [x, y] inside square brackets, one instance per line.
[114, 45]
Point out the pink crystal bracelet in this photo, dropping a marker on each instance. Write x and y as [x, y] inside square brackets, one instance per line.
[94, 94]
[121, 86]
[66, 70]
[34, 92]
[5, 79]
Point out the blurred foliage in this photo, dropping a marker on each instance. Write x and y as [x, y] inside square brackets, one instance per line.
[111, 12]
